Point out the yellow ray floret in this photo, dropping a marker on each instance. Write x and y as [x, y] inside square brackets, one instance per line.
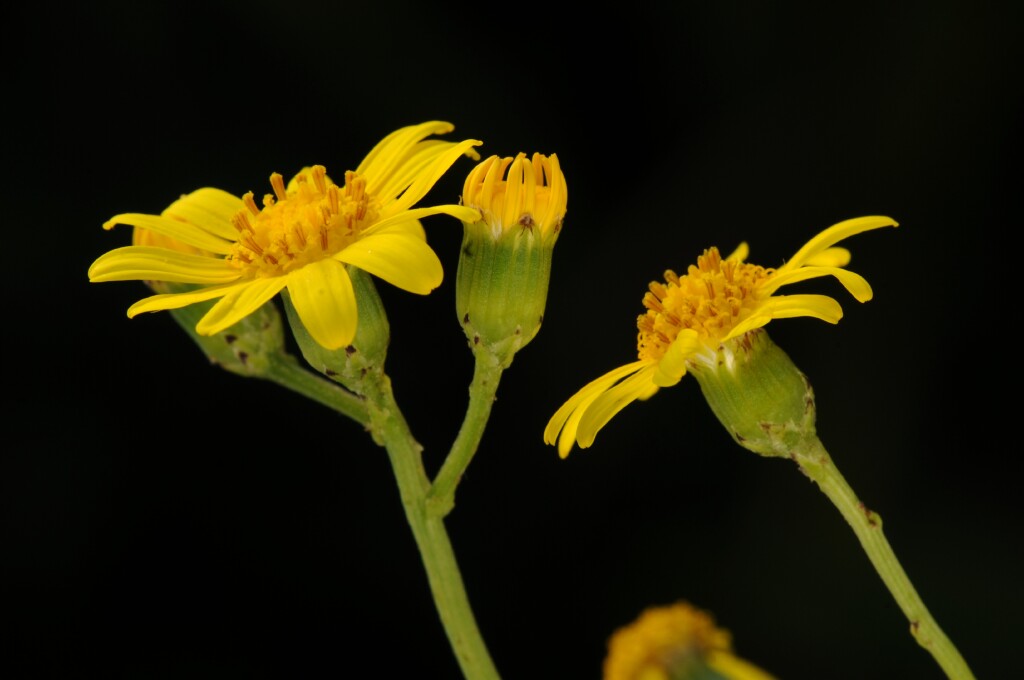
[301, 237]
[688, 317]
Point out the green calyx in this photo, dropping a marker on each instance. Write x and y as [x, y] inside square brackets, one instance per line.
[502, 287]
[352, 364]
[763, 400]
[249, 348]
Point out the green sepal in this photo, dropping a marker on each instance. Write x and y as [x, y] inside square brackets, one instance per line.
[247, 348]
[349, 365]
[501, 288]
[764, 401]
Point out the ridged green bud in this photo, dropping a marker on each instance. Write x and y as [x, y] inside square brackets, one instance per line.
[505, 265]
[349, 365]
[763, 400]
[248, 348]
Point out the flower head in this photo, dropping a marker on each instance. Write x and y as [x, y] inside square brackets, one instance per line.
[502, 283]
[301, 238]
[518, 196]
[690, 318]
[676, 642]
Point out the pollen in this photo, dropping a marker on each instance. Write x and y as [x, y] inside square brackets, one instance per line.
[309, 220]
[711, 298]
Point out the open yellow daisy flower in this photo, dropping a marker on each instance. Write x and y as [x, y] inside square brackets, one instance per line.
[689, 317]
[301, 239]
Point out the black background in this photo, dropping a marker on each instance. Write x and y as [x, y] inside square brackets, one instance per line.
[165, 519]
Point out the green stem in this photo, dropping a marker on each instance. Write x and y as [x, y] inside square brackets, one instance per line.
[814, 460]
[435, 548]
[486, 376]
[285, 370]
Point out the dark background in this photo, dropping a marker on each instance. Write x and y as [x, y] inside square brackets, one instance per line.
[163, 518]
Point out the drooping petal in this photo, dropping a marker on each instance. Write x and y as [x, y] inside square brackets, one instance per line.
[398, 258]
[146, 263]
[324, 299]
[672, 366]
[158, 303]
[208, 208]
[835, 234]
[855, 283]
[186, 232]
[567, 418]
[240, 302]
[830, 257]
[606, 405]
[787, 307]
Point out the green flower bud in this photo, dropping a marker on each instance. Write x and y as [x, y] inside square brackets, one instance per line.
[350, 364]
[763, 400]
[247, 348]
[502, 281]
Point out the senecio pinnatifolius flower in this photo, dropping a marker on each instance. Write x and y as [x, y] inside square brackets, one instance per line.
[302, 239]
[505, 265]
[701, 321]
[675, 642]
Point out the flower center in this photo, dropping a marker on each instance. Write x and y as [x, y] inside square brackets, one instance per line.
[712, 297]
[311, 221]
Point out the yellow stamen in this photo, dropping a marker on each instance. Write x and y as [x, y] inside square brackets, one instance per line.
[313, 220]
[712, 297]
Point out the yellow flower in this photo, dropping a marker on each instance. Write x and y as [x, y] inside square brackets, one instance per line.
[689, 318]
[301, 239]
[676, 642]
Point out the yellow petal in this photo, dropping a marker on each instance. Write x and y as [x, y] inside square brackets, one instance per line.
[393, 149]
[733, 668]
[208, 208]
[145, 263]
[185, 232]
[830, 257]
[459, 212]
[398, 258]
[611, 402]
[157, 303]
[855, 283]
[391, 153]
[324, 299]
[787, 307]
[566, 418]
[740, 254]
[672, 366]
[241, 301]
[835, 234]
[427, 177]
[419, 158]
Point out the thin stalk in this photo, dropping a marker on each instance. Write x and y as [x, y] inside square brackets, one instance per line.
[486, 376]
[446, 585]
[285, 370]
[814, 460]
